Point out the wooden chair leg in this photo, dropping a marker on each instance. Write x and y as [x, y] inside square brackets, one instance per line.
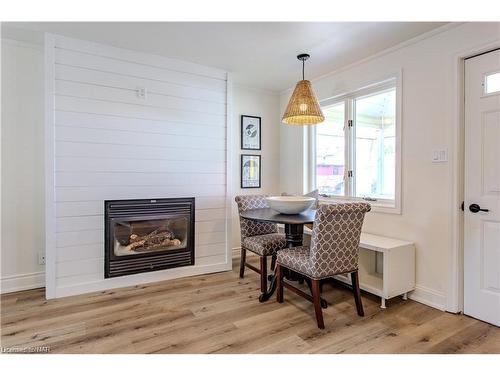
[263, 274]
[279, 278]
[357, 293]
[273, 263]
[243, 259]
[316, 294]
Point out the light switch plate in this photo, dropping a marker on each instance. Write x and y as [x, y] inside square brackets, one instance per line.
[141, 93]
[440, 156]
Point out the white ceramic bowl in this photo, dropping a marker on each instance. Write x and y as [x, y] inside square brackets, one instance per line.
[290, 204]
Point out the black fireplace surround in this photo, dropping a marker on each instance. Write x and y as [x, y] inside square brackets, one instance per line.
[143, 235]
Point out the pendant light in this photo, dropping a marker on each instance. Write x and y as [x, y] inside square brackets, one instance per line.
[303, 107]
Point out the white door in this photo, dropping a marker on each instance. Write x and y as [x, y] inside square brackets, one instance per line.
[482, 188]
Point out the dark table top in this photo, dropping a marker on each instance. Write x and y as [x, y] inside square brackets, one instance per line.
[272, 216]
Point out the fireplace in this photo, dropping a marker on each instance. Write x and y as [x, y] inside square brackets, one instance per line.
[148, 235]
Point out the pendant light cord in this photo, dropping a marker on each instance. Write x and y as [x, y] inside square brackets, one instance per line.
[303, 67]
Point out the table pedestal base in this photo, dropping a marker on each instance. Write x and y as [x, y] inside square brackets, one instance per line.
[294, 234]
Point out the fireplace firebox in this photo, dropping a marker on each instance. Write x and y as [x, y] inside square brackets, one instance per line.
[144, 235]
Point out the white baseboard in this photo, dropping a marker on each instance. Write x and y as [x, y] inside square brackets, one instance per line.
[140, 279]
[16, 283]
[429, 297]
[236, 252]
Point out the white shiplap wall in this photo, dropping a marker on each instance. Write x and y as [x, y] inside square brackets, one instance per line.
[104, 142]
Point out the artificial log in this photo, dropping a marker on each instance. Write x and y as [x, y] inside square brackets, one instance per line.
[166, 243]
[135, 245]
[152, 241]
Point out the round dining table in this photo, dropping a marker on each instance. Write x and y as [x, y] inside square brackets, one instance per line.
[294, 232]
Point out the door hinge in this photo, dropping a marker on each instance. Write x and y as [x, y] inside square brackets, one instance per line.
[349, 123]
[349, 173]
[462, 206]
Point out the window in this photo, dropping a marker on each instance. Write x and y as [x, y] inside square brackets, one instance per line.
[355, 148]
[330, 151]
[492, 83]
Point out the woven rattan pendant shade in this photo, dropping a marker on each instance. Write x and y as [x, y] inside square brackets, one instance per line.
[303, 107]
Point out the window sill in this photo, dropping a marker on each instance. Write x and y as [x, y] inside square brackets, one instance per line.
[380, 207]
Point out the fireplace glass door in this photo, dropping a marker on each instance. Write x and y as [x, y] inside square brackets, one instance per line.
[144, 235]
[140, 236]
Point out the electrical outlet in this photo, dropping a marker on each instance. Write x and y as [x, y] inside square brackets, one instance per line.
[41, 258]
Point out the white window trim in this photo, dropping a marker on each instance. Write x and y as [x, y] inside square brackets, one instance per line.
[381, 205]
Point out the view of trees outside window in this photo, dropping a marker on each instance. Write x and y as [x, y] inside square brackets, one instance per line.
[375, 145]
[330, 145]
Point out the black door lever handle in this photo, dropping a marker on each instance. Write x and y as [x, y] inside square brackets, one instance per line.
[476, 208]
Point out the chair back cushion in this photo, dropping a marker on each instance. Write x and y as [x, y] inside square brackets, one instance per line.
[335, 238]
[251, 228]
[314, 194]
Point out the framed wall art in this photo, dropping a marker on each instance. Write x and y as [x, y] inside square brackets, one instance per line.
[250, 171]
[250, 132]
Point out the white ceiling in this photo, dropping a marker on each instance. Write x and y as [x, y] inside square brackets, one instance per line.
[259, 54]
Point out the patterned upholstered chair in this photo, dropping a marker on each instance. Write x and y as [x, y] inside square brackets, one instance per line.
[334, 250]
[262, 239]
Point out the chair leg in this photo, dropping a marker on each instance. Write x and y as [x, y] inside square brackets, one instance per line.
[357, 293]
[279, 278]
[323, 303]
[273, 263]
[263, 274]
[316, 294]
[243, 259]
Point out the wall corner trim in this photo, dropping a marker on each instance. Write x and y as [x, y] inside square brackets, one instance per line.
[50, 216]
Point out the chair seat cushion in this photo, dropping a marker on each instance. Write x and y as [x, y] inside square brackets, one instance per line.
[265, 244]
[297, 259]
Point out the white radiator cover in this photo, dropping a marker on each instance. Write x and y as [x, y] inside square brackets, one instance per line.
[105, 141]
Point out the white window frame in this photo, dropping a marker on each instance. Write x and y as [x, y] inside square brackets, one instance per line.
[380, 205]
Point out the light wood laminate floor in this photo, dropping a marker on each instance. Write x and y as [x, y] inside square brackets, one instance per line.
[220, 313]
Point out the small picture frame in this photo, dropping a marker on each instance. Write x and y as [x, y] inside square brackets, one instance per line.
[250, 171]
[250, 132]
